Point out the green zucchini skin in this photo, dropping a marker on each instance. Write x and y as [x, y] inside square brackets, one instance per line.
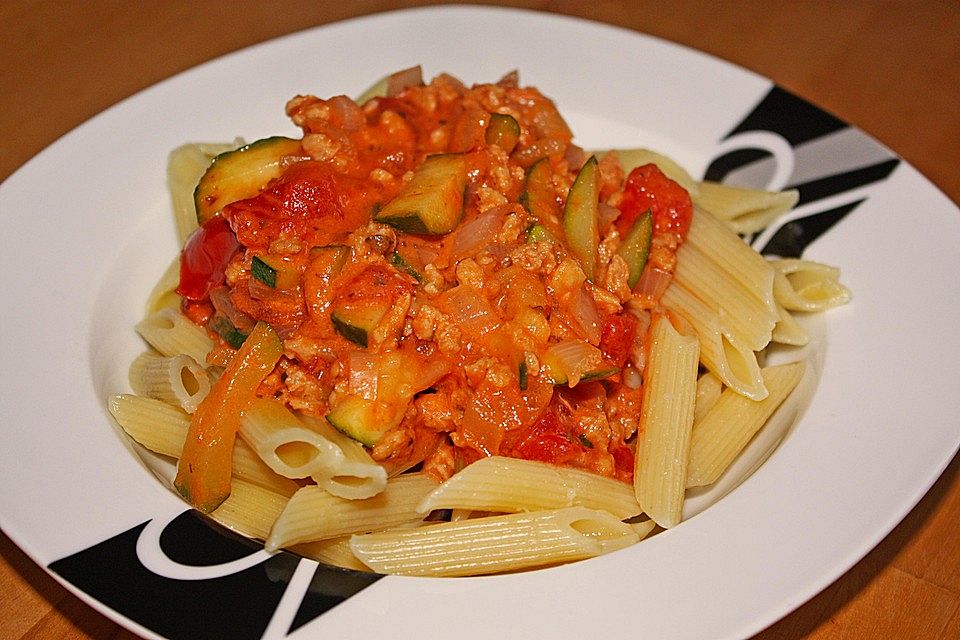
[240, 174]
[363, 420]
[539, 197]
[558, 377]
[581, 217]
[432, 202]
[636, 247]
[503, 131]
[355, 320]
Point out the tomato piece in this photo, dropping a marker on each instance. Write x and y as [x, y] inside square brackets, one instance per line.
[623, 462]
[616, 339]
[648, 188]
[205, 257]
[309, 201]
[546, 440]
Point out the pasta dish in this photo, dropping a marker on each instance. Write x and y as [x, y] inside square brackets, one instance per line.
[435, 336]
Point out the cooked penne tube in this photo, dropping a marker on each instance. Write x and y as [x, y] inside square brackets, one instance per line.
[315, 514]
[708, 391]
[731, 254]
[744, 210]
[178, 380]
[250, 509]
[744, 314]
[726, 429]
[158, 426]
[494, 544]
[670, 387]
[509, 485]
[788, 330]
[333, 551]
[359, 475]
[162, 428]
[734, 364]
[294, 449]
[285, 443]
[805, 285]
[164, 294]
[171, 333]
[185, 165]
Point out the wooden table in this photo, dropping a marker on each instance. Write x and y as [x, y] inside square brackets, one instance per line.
[890, 68]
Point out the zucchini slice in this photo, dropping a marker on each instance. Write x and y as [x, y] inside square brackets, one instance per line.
[355, 319]
[432, 202]
[364, 420]
[241, 174]
[539, 197]
[581, 217]
[636, 247]
[503, 131]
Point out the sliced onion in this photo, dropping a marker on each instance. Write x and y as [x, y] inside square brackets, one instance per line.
[638, 350]
[477, 233]
[575, 358]
[608, 214]
[653, 283]
[347, 113]
[427, 374]
[584, 310]
[470, 311]
[400, 80]
[363, 374]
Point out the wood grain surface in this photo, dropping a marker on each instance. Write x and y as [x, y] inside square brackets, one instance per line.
[891, 68]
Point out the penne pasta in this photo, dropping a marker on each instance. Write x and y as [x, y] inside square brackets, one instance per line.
[708, 391]
[743, 209]
[511, 485]
[744, 314]
[314, 514]
[788, 330]
[295, 450]
[162, 428]
[358, 475]
[185, 166]
[335, 552]
[164, 294]
[171, 333]
[178, 380]
[805, 285]
[733, 421]
[731, 254]
[494, 544]
[734, 364]
[666, 419]
[250, 509]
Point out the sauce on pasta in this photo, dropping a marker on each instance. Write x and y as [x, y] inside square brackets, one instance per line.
[485, 339]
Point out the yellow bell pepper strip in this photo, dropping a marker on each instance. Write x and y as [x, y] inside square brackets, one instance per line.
[205, 467]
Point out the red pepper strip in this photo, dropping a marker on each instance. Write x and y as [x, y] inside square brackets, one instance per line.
[206, 463]
[205, 257]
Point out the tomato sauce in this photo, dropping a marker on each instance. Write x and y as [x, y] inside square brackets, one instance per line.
[480, 320]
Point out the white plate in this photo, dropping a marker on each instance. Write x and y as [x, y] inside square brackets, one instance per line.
[87, 231]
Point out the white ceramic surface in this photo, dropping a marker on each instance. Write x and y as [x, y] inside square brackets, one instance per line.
[87, 232]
